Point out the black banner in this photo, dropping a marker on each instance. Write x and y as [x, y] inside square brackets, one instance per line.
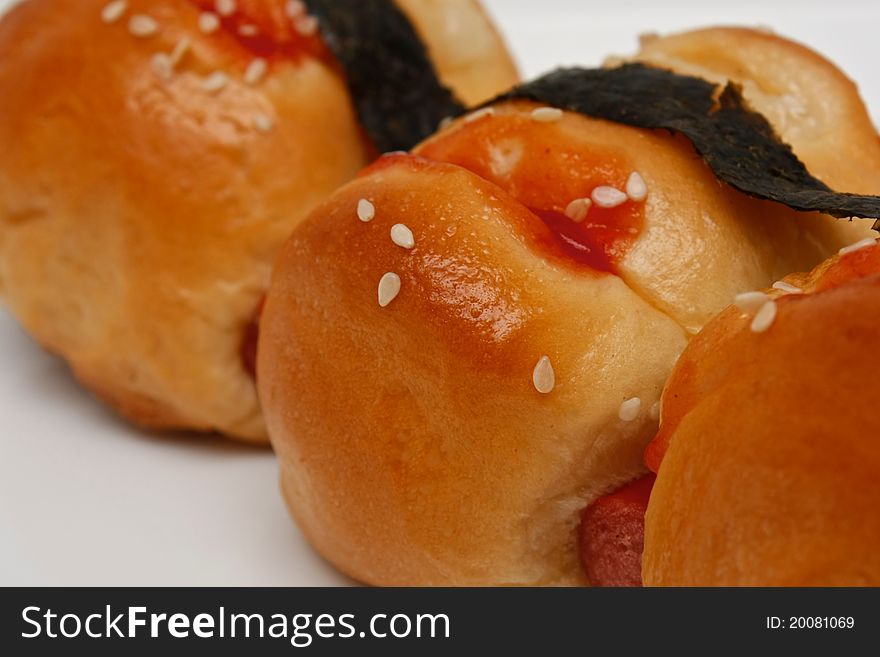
[435, 621]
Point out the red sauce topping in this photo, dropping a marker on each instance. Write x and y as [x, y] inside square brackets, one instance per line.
[545, 168]
[251, 337]
[400, 158]
[597, 243]
[275, 36]
[856, 264]
[612, 535]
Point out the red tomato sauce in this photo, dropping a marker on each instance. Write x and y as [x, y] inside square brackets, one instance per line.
[852, 266]
[275, 38]
[544, 170]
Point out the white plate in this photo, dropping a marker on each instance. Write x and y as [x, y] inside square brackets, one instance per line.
[87, 500]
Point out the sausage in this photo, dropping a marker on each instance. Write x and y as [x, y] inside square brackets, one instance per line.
[612, 535]
[250, 337]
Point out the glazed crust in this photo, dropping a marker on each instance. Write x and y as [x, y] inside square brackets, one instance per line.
[414, 448]
[139, 217]
[702, 242]
[770, 476]
[469, 54]
[812, 104]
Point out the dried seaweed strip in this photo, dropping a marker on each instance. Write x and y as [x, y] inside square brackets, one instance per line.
[738, 144]
[397, 94]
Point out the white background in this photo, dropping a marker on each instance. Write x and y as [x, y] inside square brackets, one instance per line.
[84, 499]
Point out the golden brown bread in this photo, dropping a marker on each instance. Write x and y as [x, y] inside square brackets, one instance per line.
[414, 448]
[700, 243]
[770, 450]
[139, 216]
[417, 443]
[463, 44]
[812, 104]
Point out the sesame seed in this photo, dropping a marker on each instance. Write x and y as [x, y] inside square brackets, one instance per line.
[162, 66]
[543, 376]
[655, 411]
[180, 50]
[636, 188]
[445, 122]
[608, 197]
[629, 410]
[389, 288]
[577, 210]
[113, 11]
[787, 287]
[225, 7]
[479, 114]
[750, 301]
[294, 8]
[366, 211]
[255, 71]
[263, 123]
[306, 25]
[209, 22]
[214, 82]
[402, 236]
[765, 317]
[858, 246]
[546, 114]
[141, 25]
[505, 155]
[248, 30]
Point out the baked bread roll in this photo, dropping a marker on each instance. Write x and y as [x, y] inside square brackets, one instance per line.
[811, 103]
[770, 455]
[458, 353]
[155, 156]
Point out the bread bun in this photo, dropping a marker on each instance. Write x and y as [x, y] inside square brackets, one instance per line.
[423, 437]
[770, 455]
[810, 102]
[464, 46]
[150, 172]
